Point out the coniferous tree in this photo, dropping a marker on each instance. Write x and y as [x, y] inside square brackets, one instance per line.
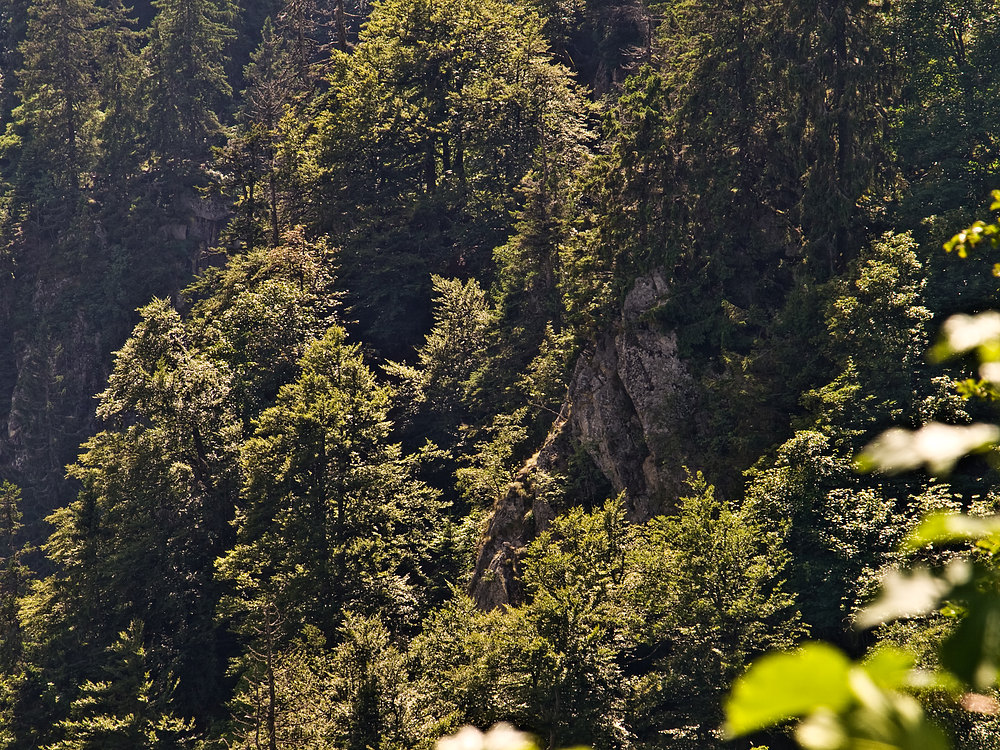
[121, 712]
[120, 131]
[944, 61]
[13, 576]
[188, 91]
[299, 23]
[14, 581]
[332, 517]
[370, 689]
[58, 89]
[252, 153]
[13, 16]
[431, 125]
[830, 65]
[709, 589]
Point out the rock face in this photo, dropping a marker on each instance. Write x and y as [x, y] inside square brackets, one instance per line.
[629, 407]
[55, 368]
[516, 519]
[64, 308]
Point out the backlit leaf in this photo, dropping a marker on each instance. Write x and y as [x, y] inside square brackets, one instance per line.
[786, 685]
[936, 446]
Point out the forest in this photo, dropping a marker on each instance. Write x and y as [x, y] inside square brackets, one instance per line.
[374, 368]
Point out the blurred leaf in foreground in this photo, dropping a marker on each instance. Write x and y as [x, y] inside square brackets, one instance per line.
[911, 594]
[782, 686]
[936, 446]
[947, 528]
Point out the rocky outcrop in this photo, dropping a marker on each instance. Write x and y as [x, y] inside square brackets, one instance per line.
[631, 404]
[629, 408]
[58, 366]
[516, 519]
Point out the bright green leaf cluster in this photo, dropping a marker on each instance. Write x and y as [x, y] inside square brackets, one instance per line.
[978, 232]
[843, 705]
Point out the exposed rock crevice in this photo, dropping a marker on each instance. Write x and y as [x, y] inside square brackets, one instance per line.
[629, 407]
[516, 520]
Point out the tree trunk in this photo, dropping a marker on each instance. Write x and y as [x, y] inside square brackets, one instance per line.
[341, 26]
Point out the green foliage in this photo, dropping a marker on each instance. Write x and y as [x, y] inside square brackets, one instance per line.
[794, 492]
[373, 698]
[484, 482]
[121, 712]
[247, 499]
[845, 706]
[884, 294]
[160, 484]
[830, 67]
[261, 311]
[880, 707]
[709, 594]
[421, 143]
[452, 353]
[59, 104]
[946, 55]
[602, 255]
[158, 488]
[13, 577]
[309, 697]
[187, 88]
[331, 518]
[627, 632]
[784, 685]
[411, 96]
[841, 528]
[547, 378]
[550, 665]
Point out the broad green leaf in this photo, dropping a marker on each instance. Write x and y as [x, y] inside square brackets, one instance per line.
[882, 718]
[823, 730]
[963, 333]
[936, 446]
[972, 236]
[972, 652]
[889, 668]
[786, 685]
[945, 528]
[500, 737]
[910, 594]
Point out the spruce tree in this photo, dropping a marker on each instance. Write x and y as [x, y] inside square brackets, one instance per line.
[121, 712]
[188, 92]
[831, 66]
[120, 130]
[13, 585]
[56, 118]
[332, 517]
[252, 155]
[13, 576]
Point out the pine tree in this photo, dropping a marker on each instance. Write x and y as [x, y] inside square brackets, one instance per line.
[59, 92]
[121, 712]
[188, 92]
